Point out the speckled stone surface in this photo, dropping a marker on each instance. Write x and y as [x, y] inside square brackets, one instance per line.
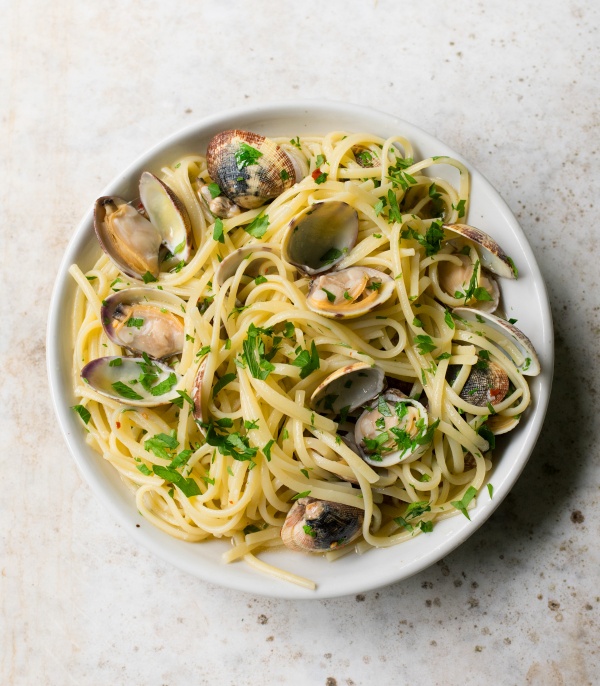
[86, 87]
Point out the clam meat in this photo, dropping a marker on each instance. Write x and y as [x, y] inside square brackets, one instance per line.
[249, 168]
[392, 430]
[220, 205]
[349, 292]
[455, 280]
[128, 238]
[137, 319]
[317, 526]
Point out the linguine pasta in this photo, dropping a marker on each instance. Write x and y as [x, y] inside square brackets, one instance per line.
[261, 443]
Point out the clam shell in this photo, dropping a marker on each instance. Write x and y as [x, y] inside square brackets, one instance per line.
[492, 255]
[366, 423]
[249, 185]
[317, 526]
[453, 278]
[159, 335]
[499, 424]
[129, 239]
[356, 291]
[531, 366]
[109, 374]
[348, 387]
[228, 267]
[168, 214]
[486, 384]
[320, 236]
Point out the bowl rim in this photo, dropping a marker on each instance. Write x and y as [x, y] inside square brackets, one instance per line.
[200, 565]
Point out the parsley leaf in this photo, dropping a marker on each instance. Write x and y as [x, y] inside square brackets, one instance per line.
[258, 227]
[222, 382]
[424, 343]
[307, 361]
[218, 234]
[82, 412]
[126, 391]
[466, 499]
[246, 155]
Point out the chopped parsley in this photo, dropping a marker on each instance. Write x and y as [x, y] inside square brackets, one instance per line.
[148, 277]
[466, 499]
[222, 382]
[307, 361]
[425, 344]
[246, 155]
[258, 227]
[126, 391]
[300, 495]
[330, 296]
[267, 449]
[136, 322]
[218, 234]
[330, 256]
[214, 190]
[82, 412]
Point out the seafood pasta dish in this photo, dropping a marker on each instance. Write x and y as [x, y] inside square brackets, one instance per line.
[298, 342]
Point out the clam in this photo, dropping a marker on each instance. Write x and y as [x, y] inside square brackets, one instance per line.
[168, 215]
[492, 255]
[132, 380]
[348, 388]
[470, 317]
[249, 168]
[228, 267]
[128, 238]
[320, 236]
[455, 279]
[499, 424]
[366, 157]
[487, 384]
[220, 205]
[392, 430]
[136, 318]
[317, 526]
[349, 292]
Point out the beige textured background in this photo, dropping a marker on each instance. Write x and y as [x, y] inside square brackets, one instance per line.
[86, 87]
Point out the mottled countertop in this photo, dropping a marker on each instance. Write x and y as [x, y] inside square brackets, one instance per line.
[86, 87]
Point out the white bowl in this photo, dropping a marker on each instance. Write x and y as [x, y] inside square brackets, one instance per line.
[526, 299]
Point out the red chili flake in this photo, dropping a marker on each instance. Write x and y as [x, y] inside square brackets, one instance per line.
[317, 172]
[118, 425]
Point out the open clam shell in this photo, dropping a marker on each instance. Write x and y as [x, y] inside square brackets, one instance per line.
[531, 364]
[137, 319]
[132, 380]
[317, 526]
[394, 429]
[492, 255]
[455, 279]
[228, 267]
[168, 215]
[349, 293]
[348, 388]
[320, 236]
[129, 239]
[249, 168]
